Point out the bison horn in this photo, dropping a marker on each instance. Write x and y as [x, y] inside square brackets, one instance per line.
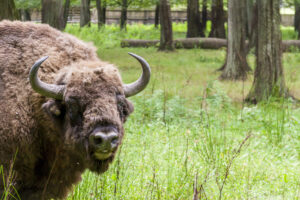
[45, 89]
[137, 86]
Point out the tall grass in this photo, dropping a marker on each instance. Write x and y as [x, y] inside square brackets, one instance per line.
[191, 135]
[7, 179]
[160, 160]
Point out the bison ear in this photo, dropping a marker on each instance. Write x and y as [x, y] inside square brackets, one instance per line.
[127, 110]
[53, 108]
[130, 107]
[125, 107]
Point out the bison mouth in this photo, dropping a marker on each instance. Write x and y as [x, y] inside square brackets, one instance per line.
[100, 162]
[102, 155]
[102, 145]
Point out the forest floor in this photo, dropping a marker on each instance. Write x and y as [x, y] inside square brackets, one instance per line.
[190, 129]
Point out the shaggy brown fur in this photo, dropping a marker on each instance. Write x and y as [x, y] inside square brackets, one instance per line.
[43, 141]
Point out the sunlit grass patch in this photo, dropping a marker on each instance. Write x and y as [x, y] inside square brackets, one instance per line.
[167, 145]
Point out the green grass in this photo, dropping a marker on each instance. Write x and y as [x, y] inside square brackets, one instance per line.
[111, 36]
[9, 191]
[289, 33]
[167, 145]
[188, 124]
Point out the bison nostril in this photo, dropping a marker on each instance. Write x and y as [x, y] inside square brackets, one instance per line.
[98, 140]
[114, 140]
[106, 141]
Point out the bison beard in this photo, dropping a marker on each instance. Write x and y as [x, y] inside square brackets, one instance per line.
[63, 115]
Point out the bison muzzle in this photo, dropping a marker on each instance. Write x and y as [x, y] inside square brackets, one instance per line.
[63, 115]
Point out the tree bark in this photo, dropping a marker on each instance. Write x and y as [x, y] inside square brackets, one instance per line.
[166, 33]
[268, 76]
[85, 14]
[236, 66]
[249, 13]
[123, 20]
[217, 19]
[8, 10]
[204, 15]
[66, 13]
[103, 13]
[193, 19]
[25, 15]
[156, 18]
[52, 13]
[297, 17]
[251, 22]
[100, 13]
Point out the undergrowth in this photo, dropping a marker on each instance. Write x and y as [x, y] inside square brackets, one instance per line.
[110, 36]
[7, 179]
[212, 149]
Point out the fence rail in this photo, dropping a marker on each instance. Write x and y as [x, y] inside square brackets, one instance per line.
[138, 16]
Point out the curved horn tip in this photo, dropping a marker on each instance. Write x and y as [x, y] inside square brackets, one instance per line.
[38, 63]
[43, 58]
[132, 54]
[139, 85]
[136, 56]
[140, 58]
[45, 89]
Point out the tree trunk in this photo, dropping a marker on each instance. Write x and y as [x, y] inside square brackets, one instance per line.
[193, 19]
[123, 15]
[25, 15]
[52, 13]
[85, 14]
[236, 66]
[166, 34]
[8, 10]
[156, 19]
[249, 13]
[66, 13]
[104, 14]
[217, 19]
[251, 22]
[204, 15]
[268, 75]
[297, 17]
[100, 14]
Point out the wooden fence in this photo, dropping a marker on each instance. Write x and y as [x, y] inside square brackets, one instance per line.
[137, 16]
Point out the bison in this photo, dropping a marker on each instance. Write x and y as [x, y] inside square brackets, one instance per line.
[63, 115]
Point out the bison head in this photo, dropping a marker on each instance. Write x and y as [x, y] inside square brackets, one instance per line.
[88, 105]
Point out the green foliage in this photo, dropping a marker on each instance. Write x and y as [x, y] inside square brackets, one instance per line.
[289, 33]
[289, 3]
[110, 36]
[26, 4]
[36, 4]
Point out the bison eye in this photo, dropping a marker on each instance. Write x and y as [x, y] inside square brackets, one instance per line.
[74, 112]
